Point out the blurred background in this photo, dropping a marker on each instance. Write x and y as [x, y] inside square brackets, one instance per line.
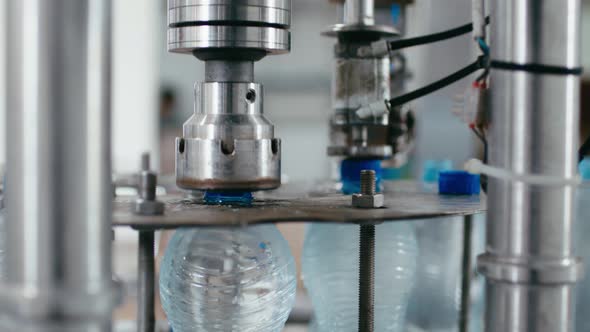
[153, 95]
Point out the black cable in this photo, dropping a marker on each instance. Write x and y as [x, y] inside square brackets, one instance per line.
[584, 150]
[536, 68]
[403, 99]
[433, 38]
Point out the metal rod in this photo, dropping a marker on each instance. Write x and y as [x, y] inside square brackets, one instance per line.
[529, 263]
[59, 195]
[467, 269]
[146, 319]
[367, 279]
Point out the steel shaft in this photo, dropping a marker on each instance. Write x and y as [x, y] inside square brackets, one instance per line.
[530, 266]
[59, 192]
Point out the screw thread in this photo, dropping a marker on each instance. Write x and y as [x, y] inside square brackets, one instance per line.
[367, 279]
[368, 182]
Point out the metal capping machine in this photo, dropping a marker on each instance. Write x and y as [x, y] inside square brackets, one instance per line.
[59, 194]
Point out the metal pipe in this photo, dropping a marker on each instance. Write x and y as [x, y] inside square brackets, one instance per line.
[466, 270]
[59, 192]
[529, 264]
[146, 318]
[360, 12]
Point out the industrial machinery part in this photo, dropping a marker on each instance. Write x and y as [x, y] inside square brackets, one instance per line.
[406, 201]
[146, 203]
[530, 266]
[361, 80]
[368, 198]
[228, 144]
[59, 195]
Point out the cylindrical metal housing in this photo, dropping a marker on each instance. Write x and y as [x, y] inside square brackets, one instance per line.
[59, 193]
[529, 264]
[228, 143]
[198, 25]
[359, 82]
[191, 39]
[245, 12]
[360, 12]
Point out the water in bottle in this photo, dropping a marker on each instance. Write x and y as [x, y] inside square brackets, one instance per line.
[228, 279]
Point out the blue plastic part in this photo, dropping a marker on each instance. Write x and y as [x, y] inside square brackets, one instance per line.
[350, 173]
[584, 168]
[242, 198]
[458, 183]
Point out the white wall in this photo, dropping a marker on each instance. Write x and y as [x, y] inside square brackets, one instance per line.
[2, 87]
[136, 45]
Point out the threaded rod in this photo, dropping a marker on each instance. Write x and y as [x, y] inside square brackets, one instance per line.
[367, 278]
[368, 182]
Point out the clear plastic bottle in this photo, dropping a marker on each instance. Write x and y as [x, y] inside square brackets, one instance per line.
[583, 246]
[330, 270]
[228, 279]
[436, 298]
[435, 301]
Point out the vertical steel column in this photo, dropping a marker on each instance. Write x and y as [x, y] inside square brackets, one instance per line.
[529, 264]
[466, 271]
[146, 316]
[59, 171]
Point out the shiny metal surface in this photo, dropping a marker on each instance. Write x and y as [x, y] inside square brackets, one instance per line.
[193, 12]
[405, 202]
[530, 265]
[360, 12]
[59, 195]
[191, 39]
[228, 143]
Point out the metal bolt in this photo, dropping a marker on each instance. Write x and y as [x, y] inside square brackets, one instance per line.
[368, 197]
[368, 182]
[146, 203]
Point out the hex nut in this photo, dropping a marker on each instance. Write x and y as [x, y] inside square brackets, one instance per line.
[368, 201]
[148, 208]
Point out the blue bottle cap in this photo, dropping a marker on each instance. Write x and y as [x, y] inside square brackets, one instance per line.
[584, 168]
[350, 173]
[242, 198]
[458, 183]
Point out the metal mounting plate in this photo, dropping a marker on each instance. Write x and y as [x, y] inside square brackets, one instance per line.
[407, 201]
